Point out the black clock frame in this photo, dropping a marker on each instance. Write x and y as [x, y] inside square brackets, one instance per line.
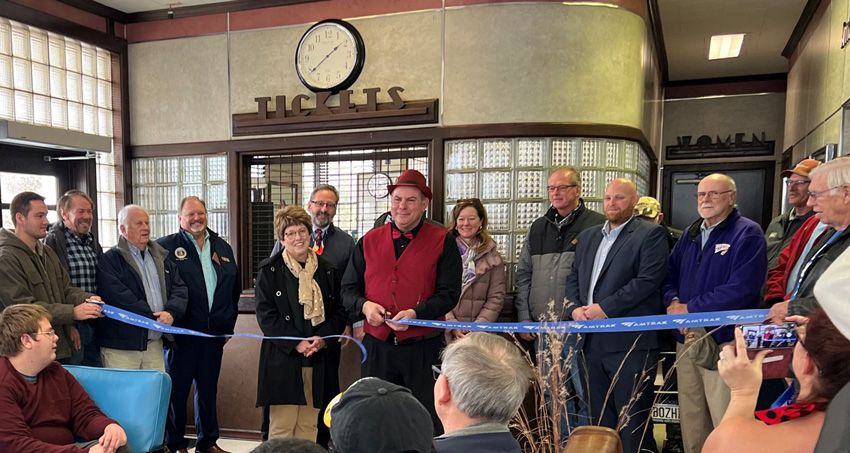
[359, 46]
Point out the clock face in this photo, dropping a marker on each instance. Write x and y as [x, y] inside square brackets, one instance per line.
[330, 56]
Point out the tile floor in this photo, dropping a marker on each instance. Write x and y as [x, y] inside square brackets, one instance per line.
[235, 445]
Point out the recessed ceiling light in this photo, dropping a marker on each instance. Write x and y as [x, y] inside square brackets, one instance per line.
[725, 46]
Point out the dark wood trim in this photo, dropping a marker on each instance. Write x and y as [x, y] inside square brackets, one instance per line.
[770, 173]
[44, 21]
[98, 8]
[437, 166]
[657, 34]
[800, 29]
[234, 182]
[729, 80]
[243, 219]
[213, 8]
[317, 143]
[414, 112]
[127, 160]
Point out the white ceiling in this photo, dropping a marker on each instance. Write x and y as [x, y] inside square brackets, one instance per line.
[136, 6]
[689, 24]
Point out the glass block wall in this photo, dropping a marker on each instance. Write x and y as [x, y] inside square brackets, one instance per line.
[510, 175]
[160, 183]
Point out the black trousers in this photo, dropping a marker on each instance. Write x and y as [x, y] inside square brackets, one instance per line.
[600, 368]
[193, 360]
[407, 365]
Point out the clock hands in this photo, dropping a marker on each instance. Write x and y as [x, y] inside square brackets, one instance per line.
[326, 57]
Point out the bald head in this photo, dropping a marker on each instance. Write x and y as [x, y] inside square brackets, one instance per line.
[716, 195]
[620, 200]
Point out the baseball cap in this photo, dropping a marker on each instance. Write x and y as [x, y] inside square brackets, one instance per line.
[803, 168]
[647, 207]
[376, 416]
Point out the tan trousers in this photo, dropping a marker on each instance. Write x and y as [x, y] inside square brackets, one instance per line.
[703, 399]
[296, 421]
[150, 359]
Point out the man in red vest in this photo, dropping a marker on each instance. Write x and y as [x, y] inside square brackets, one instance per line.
[407, 269]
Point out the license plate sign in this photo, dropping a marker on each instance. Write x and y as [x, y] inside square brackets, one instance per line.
[665, 413]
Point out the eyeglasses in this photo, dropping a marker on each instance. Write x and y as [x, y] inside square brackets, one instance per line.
[324, 204]
[712, 195]
[560, 188]
[292, 234]
[50, 332]
[818, 194]
[436, 371]
[790, 183]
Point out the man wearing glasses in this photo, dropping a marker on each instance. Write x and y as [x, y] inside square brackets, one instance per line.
[829, 197]
[782, 227]
[42, 407]
[719, 264]
[545, 261]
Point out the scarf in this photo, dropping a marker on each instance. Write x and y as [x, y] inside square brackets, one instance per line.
[467, 255]
[309, 293]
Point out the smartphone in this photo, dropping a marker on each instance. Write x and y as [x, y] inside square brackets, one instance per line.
[780, 339]
[769, 336]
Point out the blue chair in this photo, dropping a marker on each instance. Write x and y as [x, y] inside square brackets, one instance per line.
[136, 399]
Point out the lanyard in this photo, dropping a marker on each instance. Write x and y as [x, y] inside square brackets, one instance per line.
[809, 264]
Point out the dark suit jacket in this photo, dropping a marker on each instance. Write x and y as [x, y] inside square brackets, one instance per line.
[630, 281]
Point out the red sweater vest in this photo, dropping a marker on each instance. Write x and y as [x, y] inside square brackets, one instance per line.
[404, 283]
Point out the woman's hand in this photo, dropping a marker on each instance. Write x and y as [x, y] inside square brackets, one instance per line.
[310, 346]
[457, 334]
[743, 376]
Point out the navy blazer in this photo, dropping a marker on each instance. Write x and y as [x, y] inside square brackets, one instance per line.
[629, 283]
[221, 318]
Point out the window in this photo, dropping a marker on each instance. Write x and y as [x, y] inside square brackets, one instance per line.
[50, 80]
[12, 184]
[160, 183]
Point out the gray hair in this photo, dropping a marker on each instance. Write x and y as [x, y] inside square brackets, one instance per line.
[487, 375]
[325, 187]
[836, 171]
[569, 170]
[125, 211]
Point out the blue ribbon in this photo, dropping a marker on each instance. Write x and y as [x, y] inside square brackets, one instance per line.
[632, 324]
[146, 323]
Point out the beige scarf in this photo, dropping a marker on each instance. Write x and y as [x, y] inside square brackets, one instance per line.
[309, 293]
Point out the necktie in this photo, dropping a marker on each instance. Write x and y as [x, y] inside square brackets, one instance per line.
[397, 234]
[318, 247]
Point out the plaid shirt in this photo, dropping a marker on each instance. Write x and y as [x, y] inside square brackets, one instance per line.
[82, 261]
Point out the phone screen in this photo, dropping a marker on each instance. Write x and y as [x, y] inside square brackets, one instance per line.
[769, 336]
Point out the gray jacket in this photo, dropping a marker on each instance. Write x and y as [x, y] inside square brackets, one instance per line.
[546, 260]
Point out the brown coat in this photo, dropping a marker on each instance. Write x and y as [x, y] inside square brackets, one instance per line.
[481, 299]
[24, 281]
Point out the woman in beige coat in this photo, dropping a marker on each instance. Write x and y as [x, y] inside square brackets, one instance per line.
[483, 276]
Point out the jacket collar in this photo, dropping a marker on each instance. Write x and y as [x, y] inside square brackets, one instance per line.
[694, 229]
[552, 212]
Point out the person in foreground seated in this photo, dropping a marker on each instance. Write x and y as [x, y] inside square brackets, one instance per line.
[289, 445]
[376, 416]
[481, 387]
[42, 406]
[822, 366]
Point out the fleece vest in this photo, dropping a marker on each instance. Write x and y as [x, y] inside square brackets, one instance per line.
[403, 283]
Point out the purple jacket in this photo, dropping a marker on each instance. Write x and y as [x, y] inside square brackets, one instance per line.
[727, 274]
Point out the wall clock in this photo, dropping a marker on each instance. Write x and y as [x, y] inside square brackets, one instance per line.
[330, 56]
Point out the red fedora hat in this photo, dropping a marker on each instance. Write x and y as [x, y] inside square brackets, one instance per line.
[412, 178]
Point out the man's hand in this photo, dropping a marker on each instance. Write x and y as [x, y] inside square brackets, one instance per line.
[75, 338]
[374, 313]
[359, 333]
[404, 314]
[594, 311]
[778, 312]
[579, 314]
[112, 438]
[164, 317]
[95, 298]
[86, 311]
[345, 341]
[527, 336]
[677, 308]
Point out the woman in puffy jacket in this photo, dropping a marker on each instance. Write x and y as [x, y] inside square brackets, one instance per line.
[483, 279]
